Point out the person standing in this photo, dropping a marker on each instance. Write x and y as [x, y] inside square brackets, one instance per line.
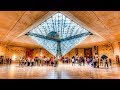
[7, 60]
[106, 62]
[38, 61]
[52, 61]
[42, 61]
[73, 60]
[24, 61]
[83, 60]
[28, 62]
[62, 59]
[94, 62]
[32, 62]
[80, 60]
[76, 58]
[101, 62]
[48, 60]
[56, 62]
[20, 62]
[0, 60]
[110, 61]
[10, 61]
[97, 62]
[87, 60]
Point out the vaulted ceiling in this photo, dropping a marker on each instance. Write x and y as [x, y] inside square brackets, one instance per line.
[13, 23]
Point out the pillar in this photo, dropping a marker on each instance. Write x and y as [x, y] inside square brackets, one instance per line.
[95, 50]
[116, 52]
[59, 55]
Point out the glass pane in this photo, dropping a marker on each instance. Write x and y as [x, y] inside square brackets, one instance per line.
[63, 27]
[68, 45]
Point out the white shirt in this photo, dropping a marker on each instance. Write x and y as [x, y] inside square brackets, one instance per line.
[45, 59]
[28, 59]
[72, 60]
[76, 57]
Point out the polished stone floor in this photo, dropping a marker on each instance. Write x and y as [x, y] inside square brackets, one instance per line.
[63, 71]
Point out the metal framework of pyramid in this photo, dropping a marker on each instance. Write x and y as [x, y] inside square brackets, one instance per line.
[58, 34]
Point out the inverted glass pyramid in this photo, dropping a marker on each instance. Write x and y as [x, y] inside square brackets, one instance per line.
[58, 28]
[49, 45]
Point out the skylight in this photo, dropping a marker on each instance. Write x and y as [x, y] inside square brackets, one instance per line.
[58, 28]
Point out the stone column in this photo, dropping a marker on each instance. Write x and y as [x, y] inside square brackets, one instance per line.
[59, 55]
[41, 52]
[95, 51]
[96, 54]
[116, 52]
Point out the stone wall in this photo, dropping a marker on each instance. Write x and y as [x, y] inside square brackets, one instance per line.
[12, 52]
[107, 50]
[41, 52]
[17, 52]
[73, 52]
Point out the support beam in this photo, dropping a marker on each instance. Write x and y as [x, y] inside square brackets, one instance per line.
[59, 40]
[59, 55]
[76, 36]
[116, 51]
[40, 36]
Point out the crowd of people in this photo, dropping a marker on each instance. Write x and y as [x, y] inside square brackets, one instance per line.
[5, 61]
[94, 62]
[53, 61]
[8, 61]
[1, 60]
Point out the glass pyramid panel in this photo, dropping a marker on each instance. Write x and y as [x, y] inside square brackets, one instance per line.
[49, 45]
[70, 44]
[59, 27]
[60, 24]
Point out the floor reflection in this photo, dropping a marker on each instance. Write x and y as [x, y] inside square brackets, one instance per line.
[66, 71]
[57, 73]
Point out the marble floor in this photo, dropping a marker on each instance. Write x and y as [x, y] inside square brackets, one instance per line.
[63, 71]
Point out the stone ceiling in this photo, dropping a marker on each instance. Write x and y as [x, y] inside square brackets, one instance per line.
[13, 25]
